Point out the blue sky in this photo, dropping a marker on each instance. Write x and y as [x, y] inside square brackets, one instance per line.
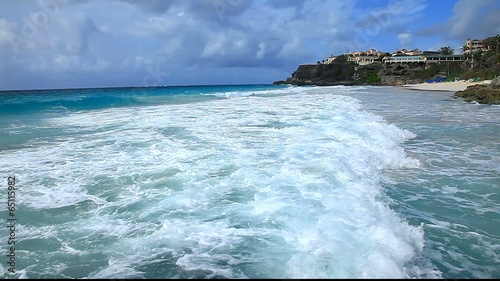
[107, 43]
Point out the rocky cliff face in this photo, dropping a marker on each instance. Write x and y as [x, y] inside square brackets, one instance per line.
[322, 75]
[347, 73]
[400, 74]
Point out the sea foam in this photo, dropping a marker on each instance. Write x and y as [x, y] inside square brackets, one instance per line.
[271, 185]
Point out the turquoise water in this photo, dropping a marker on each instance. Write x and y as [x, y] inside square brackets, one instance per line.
[251, 181]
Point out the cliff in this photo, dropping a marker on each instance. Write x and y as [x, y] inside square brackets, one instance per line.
[401, 74]
[325, 75]
[333, 74]
[347, 73]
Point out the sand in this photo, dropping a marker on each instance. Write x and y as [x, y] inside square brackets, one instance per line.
[443, 86]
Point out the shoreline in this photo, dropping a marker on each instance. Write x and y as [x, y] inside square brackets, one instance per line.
[443, 86]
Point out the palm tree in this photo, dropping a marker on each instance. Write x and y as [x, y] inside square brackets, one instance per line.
[479, 58]
[466, 55]
[465, 48]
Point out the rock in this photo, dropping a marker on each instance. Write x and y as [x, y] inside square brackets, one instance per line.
[400, 74]
[482, 94]
[495, 82]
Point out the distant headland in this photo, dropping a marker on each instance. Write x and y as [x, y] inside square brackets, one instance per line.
[479, 60]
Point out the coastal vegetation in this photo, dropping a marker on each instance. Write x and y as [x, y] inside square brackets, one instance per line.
[450, 70]
[446, 51]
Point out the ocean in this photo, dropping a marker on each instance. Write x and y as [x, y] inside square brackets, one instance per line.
[248, 181]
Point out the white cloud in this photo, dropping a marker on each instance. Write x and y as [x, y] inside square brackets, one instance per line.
[474, 19]
[405, 40]
[99, 65]
[151, 6]
[290, 47]
[54, 63]
[6, 32]
[63, 62]
[141, 61]
[215, 46]
[469, 17]
[262, 50]
[126, 63]
[156, 25]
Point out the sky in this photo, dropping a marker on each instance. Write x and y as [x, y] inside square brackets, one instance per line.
[53, 44]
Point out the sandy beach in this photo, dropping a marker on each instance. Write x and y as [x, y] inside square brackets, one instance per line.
[443, 86]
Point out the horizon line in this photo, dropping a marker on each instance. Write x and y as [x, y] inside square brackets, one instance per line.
[133, 87]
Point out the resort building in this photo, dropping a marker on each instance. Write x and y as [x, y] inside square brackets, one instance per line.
[373, 52]
[397, 52]
[430, 53]
[443, 58]
[363, 60]
[427, 59]
[405, 52]
[415, 52]
[354, 54]
[473, 46]
[404, 59]
[330, 59]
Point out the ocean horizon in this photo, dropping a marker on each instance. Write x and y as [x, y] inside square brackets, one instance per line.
[249, 181]
[137, 87]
